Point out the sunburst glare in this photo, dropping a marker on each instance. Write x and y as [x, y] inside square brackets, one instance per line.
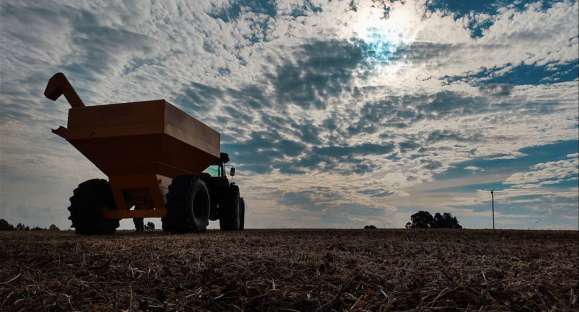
[383, 33]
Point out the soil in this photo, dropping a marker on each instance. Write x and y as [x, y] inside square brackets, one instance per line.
[291, 270]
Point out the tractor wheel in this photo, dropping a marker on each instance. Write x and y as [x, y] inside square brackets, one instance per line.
[188, 205]
[230, 215]
[242, 212]
[89, 199]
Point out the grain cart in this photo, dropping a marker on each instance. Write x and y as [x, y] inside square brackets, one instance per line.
[160, 162]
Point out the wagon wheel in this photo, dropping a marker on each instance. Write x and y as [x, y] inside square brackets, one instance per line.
[86, 205]
[230, 217]
[188, 205]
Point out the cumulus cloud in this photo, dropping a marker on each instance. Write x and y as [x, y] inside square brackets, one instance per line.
[542, 174]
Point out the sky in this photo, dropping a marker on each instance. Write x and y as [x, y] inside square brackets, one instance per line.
[336, 114]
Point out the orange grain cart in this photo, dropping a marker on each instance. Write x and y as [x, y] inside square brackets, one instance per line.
[154, 155]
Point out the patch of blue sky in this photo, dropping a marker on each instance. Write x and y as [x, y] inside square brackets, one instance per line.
[529, 156]
[460, 8]
[236, 7]
[523, 74]
[567, 183]
[305, 9]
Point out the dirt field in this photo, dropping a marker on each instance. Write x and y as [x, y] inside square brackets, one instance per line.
[291, 270]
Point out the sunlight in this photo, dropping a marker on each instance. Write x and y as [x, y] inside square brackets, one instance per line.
[382, 37]
[385, 43]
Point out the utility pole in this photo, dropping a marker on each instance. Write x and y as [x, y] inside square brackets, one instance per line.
[493, 206]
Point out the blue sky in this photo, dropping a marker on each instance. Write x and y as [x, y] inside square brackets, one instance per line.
[336, 113]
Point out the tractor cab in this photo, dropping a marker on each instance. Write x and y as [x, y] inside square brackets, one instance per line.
[218, 170]
[224, 193]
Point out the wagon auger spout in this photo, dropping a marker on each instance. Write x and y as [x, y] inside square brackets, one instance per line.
[59, 85]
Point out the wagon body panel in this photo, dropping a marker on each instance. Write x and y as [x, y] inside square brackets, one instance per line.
[132, 137]
[140, 146]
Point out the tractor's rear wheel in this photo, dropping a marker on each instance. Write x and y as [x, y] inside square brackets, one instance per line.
[88, 202]
[188, 205]
[231, 215]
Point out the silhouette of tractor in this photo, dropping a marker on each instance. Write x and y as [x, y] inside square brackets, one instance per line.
[161, 163]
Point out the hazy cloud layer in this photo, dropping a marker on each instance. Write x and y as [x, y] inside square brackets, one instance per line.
[337, 114]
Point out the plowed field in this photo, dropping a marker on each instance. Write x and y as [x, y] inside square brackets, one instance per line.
[291, 270]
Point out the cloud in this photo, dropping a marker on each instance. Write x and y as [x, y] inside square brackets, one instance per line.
[473, 168]
[323, 69]
[198, 97]
[542, 174]
[234, 10]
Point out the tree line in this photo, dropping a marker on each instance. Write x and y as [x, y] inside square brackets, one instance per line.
[6, 226]
[424, 220]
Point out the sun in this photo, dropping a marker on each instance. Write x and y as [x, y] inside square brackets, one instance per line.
[382, 36]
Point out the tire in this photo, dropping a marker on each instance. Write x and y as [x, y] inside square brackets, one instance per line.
[230, 215]
[242, 212]
[86, 204]
[188, 205]
[139, 224]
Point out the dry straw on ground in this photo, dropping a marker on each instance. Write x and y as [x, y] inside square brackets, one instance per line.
[291, 270]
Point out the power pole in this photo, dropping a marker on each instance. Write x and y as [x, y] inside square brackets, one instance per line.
[493, 206]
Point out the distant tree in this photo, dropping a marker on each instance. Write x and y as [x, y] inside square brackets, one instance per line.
[36, 228]
[5, 226]
[438, 221]
[408, 225]
[451, 222]
[421, 220]
[424, 220]
[150, 226]
[22, 227]
[53, 227]
[369, 227]
[445, 221]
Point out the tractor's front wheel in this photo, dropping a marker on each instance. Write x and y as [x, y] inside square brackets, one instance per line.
[232, 214]
[242, 213]
[188, 205]
[88, 202]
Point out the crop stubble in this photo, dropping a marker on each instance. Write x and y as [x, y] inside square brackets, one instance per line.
[291, 270]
